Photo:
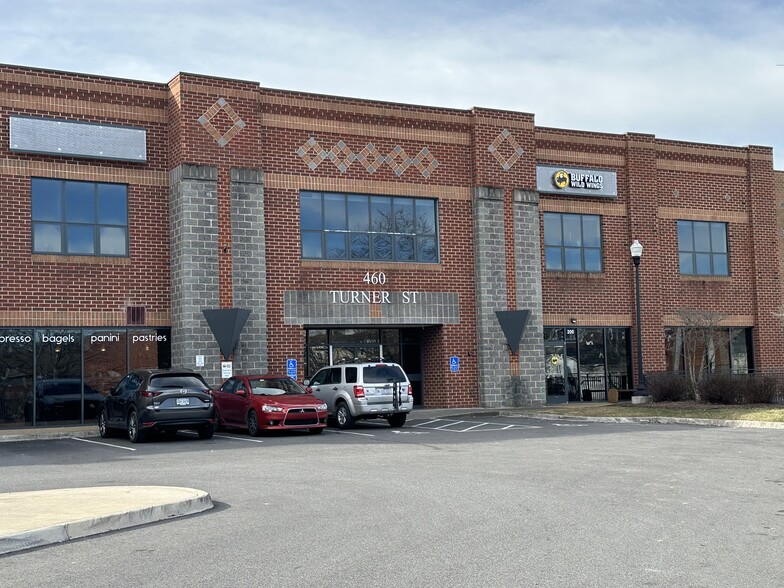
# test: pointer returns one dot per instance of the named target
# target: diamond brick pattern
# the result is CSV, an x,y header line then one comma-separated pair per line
x,y
369,157
205,120
506,137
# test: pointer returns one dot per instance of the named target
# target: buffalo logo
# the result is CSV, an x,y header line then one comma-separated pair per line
x,y
561,179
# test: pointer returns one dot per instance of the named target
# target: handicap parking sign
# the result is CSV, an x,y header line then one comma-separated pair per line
x,y
454,363
291,368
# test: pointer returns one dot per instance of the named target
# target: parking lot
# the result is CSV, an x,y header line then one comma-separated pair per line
x,y
493,501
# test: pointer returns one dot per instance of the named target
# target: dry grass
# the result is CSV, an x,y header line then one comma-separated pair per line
x,y
685,409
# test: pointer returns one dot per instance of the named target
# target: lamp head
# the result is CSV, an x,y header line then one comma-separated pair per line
x,y
636,250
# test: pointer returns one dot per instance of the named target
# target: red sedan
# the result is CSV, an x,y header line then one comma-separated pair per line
x,y
266,403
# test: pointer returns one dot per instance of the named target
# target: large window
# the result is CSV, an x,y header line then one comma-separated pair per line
x,y
362,227
702,248
79,218
572,242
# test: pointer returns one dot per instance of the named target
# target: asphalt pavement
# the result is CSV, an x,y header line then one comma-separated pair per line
x,y
34,519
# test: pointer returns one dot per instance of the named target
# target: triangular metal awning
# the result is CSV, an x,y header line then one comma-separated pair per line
x,y
226,325
513,324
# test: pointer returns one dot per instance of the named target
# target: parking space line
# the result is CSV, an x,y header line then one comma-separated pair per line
x,y
474,427
427,423
449,424
349,433
101,443
249,440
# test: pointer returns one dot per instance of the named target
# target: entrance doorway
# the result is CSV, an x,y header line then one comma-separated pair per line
x,y
349,345
582,363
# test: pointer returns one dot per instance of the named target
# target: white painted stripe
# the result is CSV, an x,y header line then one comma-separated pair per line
x,y
508,427
239,438
474,427
349,433
101,443
427,423
450,424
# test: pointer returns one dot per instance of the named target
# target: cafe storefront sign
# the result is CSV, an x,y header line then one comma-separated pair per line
x,y
575,181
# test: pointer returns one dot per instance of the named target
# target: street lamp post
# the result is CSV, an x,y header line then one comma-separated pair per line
x,y
636,251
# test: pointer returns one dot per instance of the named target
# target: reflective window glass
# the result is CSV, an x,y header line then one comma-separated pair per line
x,y
573,242
84,218
702,248
357,226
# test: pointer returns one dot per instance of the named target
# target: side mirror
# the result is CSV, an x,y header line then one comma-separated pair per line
x,y
308,389
242,392
306,382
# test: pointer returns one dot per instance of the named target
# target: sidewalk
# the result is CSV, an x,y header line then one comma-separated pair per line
x,y
34,519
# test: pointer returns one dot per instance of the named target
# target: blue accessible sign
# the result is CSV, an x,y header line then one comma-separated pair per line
x,y
291,368
454,363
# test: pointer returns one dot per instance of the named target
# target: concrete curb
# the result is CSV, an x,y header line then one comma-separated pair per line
x,y
149,504
33,434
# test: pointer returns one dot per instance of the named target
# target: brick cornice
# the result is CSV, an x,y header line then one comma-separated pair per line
x,y
575,206
724,216
363,129
87,172
583,157
303,182
700,168
65,106
51,79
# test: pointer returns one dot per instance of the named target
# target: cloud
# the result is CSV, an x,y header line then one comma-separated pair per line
x,y
686,70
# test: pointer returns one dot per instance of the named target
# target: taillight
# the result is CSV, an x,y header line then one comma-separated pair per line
x,y
150,393
409,390
359,392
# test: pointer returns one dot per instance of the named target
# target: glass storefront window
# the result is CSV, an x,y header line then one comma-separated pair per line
x,y
58,383
581,364
60,376
104,365
16,376
150,348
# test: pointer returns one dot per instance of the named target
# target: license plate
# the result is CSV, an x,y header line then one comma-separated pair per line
x,y
183,401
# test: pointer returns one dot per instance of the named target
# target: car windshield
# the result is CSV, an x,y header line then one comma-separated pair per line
x,y
275,387
381,374
181,381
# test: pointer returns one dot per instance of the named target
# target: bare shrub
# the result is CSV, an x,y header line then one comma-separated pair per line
x,y
667,387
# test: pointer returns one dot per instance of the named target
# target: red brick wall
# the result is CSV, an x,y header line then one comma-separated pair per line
x,y
660,182
48,290
291,119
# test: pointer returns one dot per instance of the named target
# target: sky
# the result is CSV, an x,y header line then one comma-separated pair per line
x,y
687,70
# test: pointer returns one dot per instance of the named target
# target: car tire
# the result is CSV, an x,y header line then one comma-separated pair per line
x,y
253,424
343,416
135,432
218,425
206,431
397,420
103,426
316,430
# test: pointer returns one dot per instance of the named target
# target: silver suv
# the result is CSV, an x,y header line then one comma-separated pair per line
x,y
364,391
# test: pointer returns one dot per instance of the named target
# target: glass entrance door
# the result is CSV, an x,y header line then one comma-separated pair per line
x,y
554,366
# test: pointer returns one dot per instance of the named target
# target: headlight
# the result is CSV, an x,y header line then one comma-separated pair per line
x,y
268,408
322,406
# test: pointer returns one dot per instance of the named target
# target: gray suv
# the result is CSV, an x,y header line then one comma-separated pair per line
x,y
364,391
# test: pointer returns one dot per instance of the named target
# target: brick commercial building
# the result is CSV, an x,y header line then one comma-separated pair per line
x,y
348,228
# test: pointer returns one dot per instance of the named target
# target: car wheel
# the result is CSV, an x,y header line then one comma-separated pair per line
x,y
343,416
206,431
218,425
253,424
316,430
103,425
397,420
135,432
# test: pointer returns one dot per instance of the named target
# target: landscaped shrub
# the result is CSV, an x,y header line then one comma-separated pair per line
x,y
719,389
667,387
757,389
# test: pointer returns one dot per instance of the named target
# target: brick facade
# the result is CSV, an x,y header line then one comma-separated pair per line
x,y
214,216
